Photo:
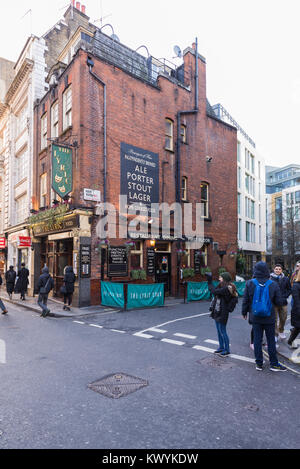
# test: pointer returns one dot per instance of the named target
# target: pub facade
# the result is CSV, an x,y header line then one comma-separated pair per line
x,y
125,134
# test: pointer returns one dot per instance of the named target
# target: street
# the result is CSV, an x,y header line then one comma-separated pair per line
x,y
191,399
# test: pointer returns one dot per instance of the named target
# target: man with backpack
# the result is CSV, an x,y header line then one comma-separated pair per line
x,y
260,297
45,285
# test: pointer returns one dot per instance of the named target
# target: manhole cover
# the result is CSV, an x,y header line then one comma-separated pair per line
x,y
117,385
216,362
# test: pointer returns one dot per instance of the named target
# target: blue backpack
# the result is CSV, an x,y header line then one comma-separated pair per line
x,y
261,304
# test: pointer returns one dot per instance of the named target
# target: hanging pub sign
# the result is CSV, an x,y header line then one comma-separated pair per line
x,y
117,261
62,170
139,177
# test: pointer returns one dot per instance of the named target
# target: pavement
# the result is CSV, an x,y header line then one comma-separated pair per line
x,y
56,310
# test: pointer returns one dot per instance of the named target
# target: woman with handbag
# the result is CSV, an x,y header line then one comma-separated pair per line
x,y
68,287
224,302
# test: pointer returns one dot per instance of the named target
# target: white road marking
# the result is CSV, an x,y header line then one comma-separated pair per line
x,y
185,336
236,357
116,330
145,336
170,341
174,320
160,331
204,349
79,322
95,325
2,352
214,342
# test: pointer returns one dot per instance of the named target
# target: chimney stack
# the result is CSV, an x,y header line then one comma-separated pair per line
x,y
78,5
83,9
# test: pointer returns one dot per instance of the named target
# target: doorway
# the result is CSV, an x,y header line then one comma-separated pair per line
x,y
163,270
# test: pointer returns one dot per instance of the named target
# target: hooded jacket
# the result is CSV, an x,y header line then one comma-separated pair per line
x,y
262,274
44,278
69,279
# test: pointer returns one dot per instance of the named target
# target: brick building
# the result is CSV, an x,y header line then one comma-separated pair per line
x,y
106,102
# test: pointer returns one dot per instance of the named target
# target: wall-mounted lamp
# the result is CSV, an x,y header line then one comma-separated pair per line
x,y
152,242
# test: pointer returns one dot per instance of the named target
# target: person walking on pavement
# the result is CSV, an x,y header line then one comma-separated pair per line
x,y
295,314
23,281
69,280
4,310
10,277
281,311
224,294
45,285
260,296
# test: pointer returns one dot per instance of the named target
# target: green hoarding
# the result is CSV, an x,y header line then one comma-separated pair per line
x,y
197,291
112,294
145,296
62,170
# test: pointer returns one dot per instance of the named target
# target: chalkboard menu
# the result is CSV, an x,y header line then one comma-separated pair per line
x,y
150,262
197,261
85,261
117,262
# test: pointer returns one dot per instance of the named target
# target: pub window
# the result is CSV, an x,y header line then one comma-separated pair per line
x,y
184,188
136,256
186,259
169,133
205,199
183,133
43,190
43,131
67,108
54,120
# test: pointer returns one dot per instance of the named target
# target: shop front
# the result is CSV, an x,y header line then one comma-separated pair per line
x,y
2,255
19,250
60,244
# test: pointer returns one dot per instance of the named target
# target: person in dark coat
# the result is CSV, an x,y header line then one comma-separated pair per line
x,y
223,294
260,324
22,282
45,283
4,310
285,289
69,280
295,314
10,277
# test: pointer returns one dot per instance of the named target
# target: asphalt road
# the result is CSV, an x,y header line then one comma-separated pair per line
x,y
192,399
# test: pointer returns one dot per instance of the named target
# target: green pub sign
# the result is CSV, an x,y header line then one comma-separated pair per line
x,y
62,170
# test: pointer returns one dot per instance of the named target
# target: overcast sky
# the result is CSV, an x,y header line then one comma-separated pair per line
x,y
251,49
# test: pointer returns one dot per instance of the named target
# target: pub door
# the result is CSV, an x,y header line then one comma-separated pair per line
x,y
63,257
163,270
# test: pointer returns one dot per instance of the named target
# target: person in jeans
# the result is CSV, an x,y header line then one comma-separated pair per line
x,y
4,310
69,280
223,294
295,314
260,324
281,311
45,283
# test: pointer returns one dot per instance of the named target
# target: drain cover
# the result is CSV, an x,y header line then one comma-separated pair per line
x,y
216,362
117,385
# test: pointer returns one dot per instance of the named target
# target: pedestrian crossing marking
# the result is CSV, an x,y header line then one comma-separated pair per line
x,y
2,352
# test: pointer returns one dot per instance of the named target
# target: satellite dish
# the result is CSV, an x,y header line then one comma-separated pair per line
x,y
115,38
177,51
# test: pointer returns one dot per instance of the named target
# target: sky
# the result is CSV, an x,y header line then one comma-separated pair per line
x,y
251,49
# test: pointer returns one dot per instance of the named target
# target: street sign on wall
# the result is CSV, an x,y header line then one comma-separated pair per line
x,y
62,170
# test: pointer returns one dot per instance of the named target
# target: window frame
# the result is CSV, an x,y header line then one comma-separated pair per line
x,y
54,120
138,252
44,125
169,137
205,202
43,190
184,188
67,108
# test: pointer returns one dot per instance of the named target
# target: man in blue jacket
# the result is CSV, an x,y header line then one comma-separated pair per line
x,y
263,323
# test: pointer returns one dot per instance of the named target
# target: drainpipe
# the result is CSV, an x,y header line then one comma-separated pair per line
x,y
90,64
178,150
